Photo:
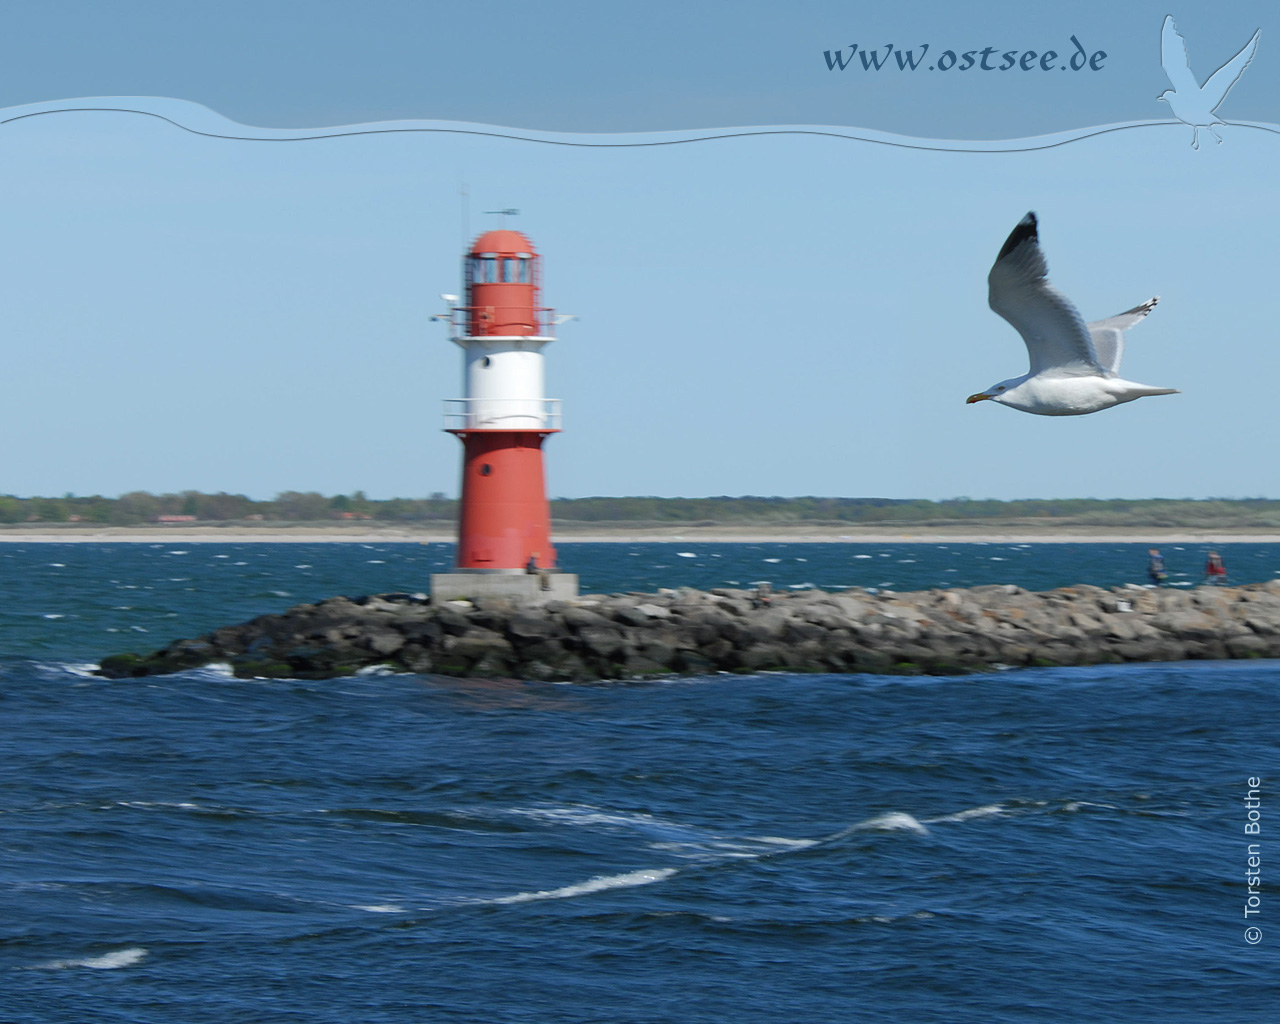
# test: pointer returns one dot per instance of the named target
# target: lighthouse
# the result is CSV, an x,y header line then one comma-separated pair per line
x,y
502,420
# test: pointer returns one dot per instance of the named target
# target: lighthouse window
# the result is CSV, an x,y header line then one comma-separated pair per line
x,y
485,363
511,271
486,469
484,269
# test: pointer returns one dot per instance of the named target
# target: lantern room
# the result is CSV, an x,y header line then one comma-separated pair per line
x,y
502,277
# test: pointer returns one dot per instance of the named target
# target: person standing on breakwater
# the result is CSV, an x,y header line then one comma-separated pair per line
x,y
1155,568
1215,572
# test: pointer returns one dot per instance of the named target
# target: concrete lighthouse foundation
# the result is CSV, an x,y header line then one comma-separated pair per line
x,y
520,587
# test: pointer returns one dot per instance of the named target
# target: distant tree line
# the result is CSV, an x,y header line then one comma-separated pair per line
x,y
140,507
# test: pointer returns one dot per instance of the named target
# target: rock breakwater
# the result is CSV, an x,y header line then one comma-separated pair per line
x,y
622,636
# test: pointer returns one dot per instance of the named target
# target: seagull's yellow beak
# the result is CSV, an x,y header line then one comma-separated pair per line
x,y
979,397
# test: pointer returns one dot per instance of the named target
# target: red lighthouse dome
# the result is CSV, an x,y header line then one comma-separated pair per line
x,y
502,278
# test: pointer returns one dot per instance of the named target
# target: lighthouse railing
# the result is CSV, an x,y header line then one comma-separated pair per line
x,y
464,319
502,414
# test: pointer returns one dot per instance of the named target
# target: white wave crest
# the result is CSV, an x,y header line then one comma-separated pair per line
x,y
86,670
894,821
217,669
600,883
585,814
687,841
106,962
1072,806
790,844
973,812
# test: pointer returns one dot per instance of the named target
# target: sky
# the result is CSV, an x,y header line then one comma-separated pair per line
x,y
777,315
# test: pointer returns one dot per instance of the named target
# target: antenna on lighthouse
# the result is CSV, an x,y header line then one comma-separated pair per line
x,y
464,201
505,213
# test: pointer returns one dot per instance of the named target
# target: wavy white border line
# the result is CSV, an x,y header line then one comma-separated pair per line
x,y
201,120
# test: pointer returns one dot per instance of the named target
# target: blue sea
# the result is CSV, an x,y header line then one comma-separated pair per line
x,y
1037,845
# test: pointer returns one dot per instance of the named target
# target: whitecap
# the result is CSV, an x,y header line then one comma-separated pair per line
x,y
585,814
302,567
773,559
1078,805
378,908
105,962
178,552
86,669
601,883
791,844
375,561
973,812
862,556
57,565
686,554
52,615
894,821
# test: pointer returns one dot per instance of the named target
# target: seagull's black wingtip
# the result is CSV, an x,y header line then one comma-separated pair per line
x,y
1026,229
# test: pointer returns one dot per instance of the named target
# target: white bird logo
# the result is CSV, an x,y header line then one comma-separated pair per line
x,y
1191,102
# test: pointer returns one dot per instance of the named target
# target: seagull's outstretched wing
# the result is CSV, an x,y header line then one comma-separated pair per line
x,y
1057,339
1173,58
1220,82
1108,335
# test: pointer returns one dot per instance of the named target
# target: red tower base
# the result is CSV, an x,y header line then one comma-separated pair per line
x,y
505,519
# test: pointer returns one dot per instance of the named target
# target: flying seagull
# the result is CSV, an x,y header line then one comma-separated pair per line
x,y
1075,367
1191,102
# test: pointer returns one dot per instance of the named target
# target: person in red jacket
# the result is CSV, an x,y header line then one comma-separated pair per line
x,y
1214,571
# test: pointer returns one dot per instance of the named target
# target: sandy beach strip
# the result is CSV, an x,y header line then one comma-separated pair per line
x,y
597,534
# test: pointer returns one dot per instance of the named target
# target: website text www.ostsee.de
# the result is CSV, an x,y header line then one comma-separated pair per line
x,y
989,58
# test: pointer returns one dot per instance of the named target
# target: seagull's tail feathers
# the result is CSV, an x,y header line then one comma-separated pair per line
x,y
1146,390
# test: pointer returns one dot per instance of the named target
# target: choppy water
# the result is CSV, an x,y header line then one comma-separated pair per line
x,y
1047,845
